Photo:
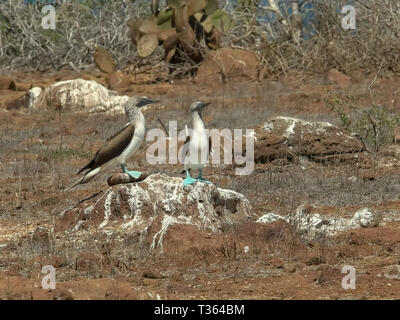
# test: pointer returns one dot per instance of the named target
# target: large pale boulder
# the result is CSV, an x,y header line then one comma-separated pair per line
x,y
76,95
150,209
290,138
313,225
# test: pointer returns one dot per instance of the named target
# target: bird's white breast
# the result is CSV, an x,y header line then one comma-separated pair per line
x,y
197,156
134,145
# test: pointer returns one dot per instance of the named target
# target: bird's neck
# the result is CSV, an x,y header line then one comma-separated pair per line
x,y
136,118
197,121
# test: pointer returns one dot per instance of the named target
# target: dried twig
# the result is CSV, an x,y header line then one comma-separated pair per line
x,y
164,127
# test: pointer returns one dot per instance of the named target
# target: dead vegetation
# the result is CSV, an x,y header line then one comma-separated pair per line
x,y
25,45
312,40
323,44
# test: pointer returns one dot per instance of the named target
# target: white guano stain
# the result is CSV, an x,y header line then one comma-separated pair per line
x,y
107,209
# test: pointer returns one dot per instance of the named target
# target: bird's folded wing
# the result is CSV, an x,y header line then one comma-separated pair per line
x,y
184,151
112,148
119,132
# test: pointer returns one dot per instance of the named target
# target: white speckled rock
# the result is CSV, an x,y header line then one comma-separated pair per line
x,y
270,217
366,217
290,138
31,97
311,225
76,95
155,204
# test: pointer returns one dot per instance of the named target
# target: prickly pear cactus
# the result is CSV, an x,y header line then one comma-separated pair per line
x,y
183,27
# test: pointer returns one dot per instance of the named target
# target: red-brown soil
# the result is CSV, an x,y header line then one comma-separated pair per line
x,y
40,153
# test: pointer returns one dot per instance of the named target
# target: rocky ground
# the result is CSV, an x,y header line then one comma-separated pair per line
x,y
316,201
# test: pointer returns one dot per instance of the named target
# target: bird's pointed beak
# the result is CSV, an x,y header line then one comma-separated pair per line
x,y
204,104
146,101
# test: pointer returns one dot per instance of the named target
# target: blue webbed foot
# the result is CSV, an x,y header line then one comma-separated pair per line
x,y
188,180
133,174
203,180
200,177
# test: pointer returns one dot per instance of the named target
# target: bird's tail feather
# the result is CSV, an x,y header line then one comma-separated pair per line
x,y
79,181
85,179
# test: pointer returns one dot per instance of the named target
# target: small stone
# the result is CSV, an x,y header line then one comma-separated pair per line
x,y
366,217
276,263
290,268
152,275
32,97
352,179
392,272
336,77
121,178
270,217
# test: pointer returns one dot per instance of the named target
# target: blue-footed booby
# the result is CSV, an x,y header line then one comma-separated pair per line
x,y
197,147
122,145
